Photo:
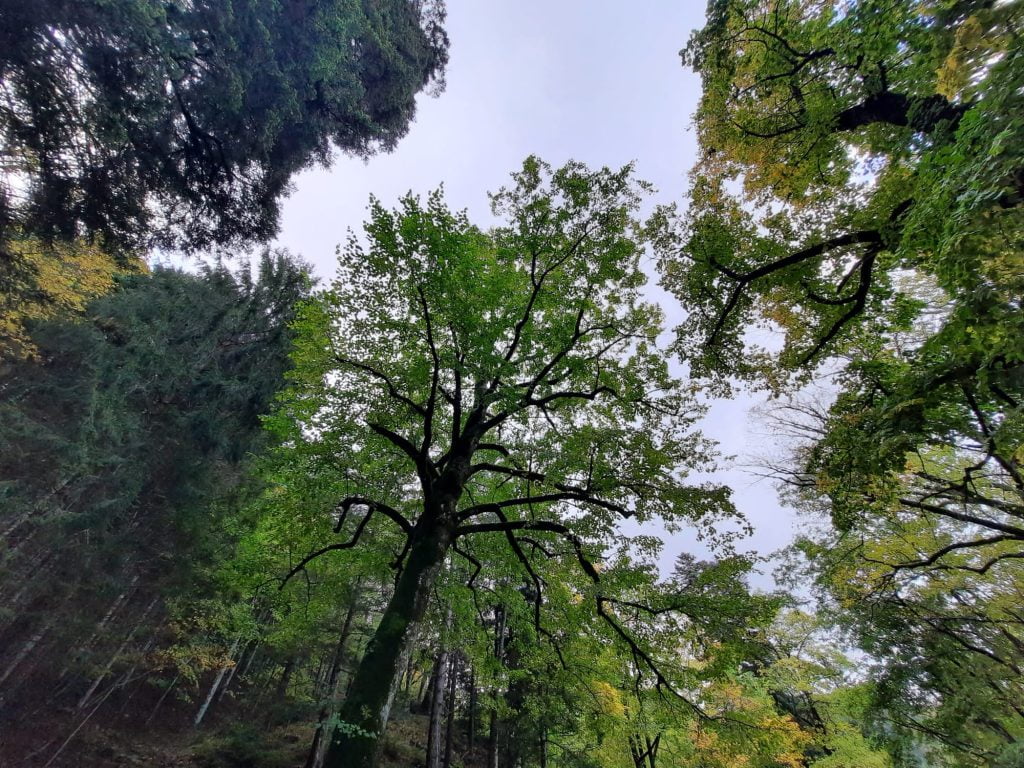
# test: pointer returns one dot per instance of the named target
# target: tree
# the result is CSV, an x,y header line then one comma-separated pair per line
x,y
920,560
186,120
50,282
864,140
475,391
859,188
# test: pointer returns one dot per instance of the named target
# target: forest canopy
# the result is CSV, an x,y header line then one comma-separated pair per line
x,y
421,514
182,123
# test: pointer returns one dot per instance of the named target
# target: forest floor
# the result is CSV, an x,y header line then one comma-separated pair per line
x,y
229,741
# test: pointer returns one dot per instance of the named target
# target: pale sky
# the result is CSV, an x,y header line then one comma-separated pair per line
x,y
593,80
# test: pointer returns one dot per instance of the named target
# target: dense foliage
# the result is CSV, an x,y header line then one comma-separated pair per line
x,y
860,190
117,439
467,386
186,120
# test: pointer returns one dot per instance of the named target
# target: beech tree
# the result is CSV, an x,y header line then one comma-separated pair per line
x,y
464,386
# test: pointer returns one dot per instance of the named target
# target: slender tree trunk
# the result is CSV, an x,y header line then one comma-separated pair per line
x,y
635,752
471,725
102,625
492,741
450,704
246,664
280,692
435,745
126,678
216,684
26,649
159,703
234,672
426,695
409,669
499,653
84,701
652,749
322,736
366,707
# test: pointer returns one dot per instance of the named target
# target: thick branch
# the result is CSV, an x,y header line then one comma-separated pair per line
x,y
743,279
404,445
922,114
1017,533
508,526
389,512
565,495
428,413
330,548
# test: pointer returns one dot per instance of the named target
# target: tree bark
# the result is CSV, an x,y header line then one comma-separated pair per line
x,y
450,706
435,745
216,684
365,711
84,701
471,725
280,692
26,649
499,654
492,741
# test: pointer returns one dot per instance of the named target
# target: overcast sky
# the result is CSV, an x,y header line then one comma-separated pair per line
x,y
593,80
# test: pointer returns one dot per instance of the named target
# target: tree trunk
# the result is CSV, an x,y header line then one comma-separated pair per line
x,y
278,702
216,684
323,731
471,725
450,699
409,669
26,649
163,696
234,671
365,712
426,692
499,654
83,702
492,741
435,745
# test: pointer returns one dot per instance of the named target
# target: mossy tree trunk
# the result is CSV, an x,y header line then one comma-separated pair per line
x,y
364,714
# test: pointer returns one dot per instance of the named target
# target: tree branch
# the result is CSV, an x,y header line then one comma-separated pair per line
x,y
329,548
381,376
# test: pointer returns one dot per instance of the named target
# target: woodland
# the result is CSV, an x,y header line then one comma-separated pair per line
x,y
249,518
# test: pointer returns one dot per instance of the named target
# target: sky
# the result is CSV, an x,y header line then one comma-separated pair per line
x,y
598,81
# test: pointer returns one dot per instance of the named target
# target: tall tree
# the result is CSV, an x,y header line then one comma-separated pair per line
x,y
186,120
494,389
51,282
860,188
864,139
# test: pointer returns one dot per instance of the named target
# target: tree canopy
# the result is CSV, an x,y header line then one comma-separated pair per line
x,y
445,547
182,122
859,192
842,144
462,386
